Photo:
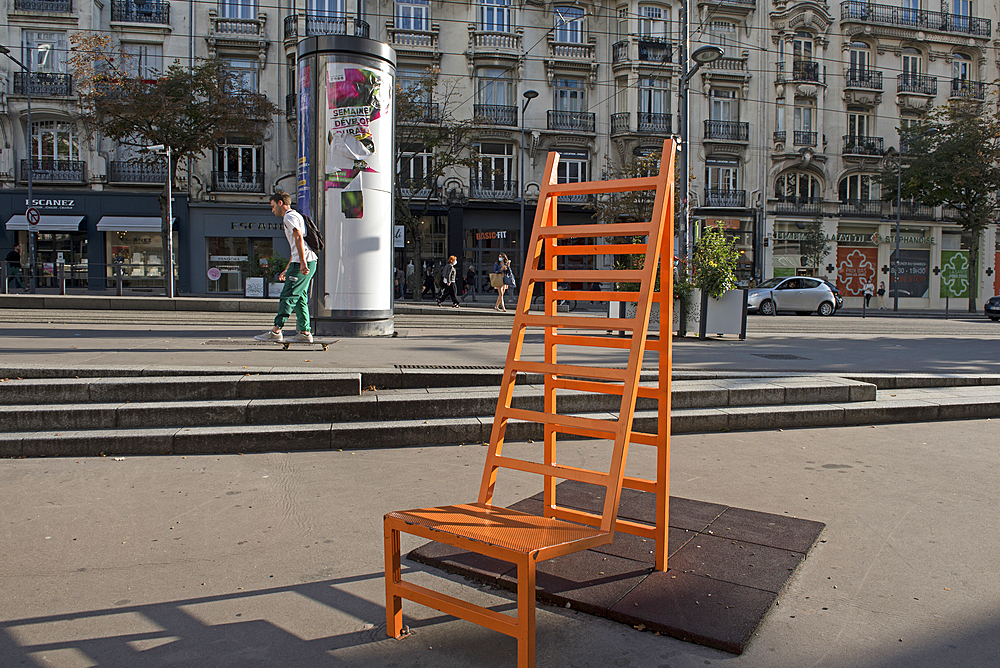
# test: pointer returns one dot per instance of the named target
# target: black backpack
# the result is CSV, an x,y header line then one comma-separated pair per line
x,y
313,237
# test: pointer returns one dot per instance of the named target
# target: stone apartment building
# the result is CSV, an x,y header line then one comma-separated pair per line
x,y
790,126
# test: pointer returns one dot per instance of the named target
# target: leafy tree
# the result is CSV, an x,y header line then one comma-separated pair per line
x,y
190,109
431,144
816,245
715,257
958,166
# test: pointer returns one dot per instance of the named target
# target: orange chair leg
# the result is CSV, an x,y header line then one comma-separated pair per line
x,y
526,613
393,575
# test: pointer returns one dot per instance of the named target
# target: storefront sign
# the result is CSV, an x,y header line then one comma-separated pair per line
x,y
398,236
214,274
726,223
855,238
59,204
913,270
244,225
491,234
227,258
954,273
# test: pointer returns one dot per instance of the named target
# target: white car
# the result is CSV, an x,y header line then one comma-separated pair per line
x,y
801,294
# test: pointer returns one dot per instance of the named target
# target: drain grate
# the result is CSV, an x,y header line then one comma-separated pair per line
x,y
445,366
779,357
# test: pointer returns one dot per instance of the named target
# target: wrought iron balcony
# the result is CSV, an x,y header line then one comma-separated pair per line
x,y
48,169
803,138
577,121
780,137
916,83
912,210
861,208
619,51
968,90
655,51
727,130
134,171
43,84
238,182
495,189
802,70
860,145
57,6
291,106
291,26
655,123
917,19
868,79
417,188
620,123
422,112
495,114
130,11
335,25
798,205
725,198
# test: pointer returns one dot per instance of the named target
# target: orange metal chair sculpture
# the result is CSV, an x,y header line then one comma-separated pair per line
x,y
525,539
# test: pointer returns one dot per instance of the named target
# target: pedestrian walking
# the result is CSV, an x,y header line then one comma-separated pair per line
x,y
868,291
448,282
881,295
498,279
297,275
13,261
470,282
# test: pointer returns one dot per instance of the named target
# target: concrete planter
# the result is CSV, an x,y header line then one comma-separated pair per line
x,y
274,289
254,287
725,315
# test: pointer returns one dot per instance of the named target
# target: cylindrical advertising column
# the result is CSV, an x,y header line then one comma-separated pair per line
x,y
345,178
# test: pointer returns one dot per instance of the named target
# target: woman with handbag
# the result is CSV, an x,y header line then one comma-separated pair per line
x,y
498,279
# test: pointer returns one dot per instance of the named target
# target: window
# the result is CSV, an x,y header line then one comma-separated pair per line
x,y
328,9
859,123
569,24
411,80
910,12
721,174
495,15
414,169
653,21
243,73
143,61
912,65
963,10
654,96
495,87
239,164
569,95
860,57
798,187
723,106
623,32
961,67
572,167
859,187
413,14
44,51
496,167
803,118
802,47
621,95
52,140
724,35
238,9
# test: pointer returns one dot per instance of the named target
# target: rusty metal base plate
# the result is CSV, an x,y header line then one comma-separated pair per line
x,y
727,567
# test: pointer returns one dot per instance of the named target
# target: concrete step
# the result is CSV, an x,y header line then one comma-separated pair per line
x,y
281,399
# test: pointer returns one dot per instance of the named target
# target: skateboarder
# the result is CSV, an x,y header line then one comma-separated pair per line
x,y
297,275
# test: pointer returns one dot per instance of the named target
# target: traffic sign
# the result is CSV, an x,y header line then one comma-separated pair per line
x,y
32,215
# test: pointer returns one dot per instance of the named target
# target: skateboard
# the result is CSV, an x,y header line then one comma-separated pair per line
x,y
315,342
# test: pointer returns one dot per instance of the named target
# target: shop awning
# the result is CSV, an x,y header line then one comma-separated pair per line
x,y
46,223
131,224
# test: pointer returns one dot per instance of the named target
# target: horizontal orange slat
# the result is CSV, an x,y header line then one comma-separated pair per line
x,y
570,370
572,515
611,342
458,608
589,426
640,484
601,187
599,249
587,386
577,322
643,438
580,275
596,230
555,470
648,392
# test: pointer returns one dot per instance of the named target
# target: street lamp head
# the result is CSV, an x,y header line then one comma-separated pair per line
x,y
156,148
530,94
4,50
706,54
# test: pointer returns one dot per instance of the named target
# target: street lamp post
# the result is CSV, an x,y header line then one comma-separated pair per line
x,y
528,95
32,235
159,149
700,56
894,272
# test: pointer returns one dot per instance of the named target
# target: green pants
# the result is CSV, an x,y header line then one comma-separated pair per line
x,y
295,297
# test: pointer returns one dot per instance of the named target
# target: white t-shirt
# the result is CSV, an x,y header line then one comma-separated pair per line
x,y
293,219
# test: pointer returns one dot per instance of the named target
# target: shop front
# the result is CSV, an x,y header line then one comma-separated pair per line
x,y
741,232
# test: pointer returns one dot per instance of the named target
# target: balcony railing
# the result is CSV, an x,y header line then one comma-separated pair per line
x,y
421,112
619,51
571,50
727,130
780,137
59,6
129,171
242,28
803,138
859,145
656,52
968,90
494,189
129,11
413,39
486,40
725,198
798,205
620,123
577,121
728,63
802,70
662,124
859,10
417,188
48,169
291,26
916,83
495,114
238,182
43,84
869,79
336,25
861,208
910,210
291,106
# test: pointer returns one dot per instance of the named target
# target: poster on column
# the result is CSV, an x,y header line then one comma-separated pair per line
x,y
954,273
357,193
854,267
914,269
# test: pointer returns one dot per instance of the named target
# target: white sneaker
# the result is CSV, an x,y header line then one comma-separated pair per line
x,y
302,337
269,335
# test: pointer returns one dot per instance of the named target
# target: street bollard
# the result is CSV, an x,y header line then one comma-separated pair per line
x,y
864,306
3,275
118,279
62,279
774,305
